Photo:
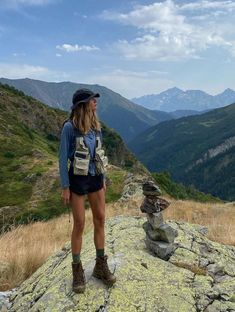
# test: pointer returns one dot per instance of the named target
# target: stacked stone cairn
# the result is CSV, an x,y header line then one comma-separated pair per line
x,y
159,235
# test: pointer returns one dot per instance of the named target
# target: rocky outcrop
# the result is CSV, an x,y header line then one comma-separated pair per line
x,y
213,152
199,275
133,186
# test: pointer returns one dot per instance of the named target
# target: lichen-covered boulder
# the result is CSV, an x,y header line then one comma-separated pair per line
x,y
199,276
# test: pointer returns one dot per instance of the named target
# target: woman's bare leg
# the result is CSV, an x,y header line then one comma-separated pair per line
x,y
97,202
78,210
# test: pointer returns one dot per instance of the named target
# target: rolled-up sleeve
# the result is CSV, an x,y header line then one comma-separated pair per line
x,y
65,143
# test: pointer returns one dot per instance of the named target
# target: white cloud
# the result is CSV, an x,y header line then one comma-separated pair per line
x,y
168,33
159,16
76,48
202,5
58,55
207,10
14,71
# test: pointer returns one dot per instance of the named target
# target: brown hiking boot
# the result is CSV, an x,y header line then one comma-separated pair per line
x,y
78,277
101,271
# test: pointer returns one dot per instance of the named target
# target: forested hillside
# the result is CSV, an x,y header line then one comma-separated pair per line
x,y
196,150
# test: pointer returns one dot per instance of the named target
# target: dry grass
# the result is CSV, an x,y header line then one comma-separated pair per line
x,y
26,248
192,267
219,218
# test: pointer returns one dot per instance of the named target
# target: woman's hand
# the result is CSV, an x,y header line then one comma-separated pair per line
x,y
65,195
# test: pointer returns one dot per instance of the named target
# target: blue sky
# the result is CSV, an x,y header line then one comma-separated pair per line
x,y
132,47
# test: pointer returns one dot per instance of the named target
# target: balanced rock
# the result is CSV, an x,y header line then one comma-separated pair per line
x,y
153,203
155,219
161,249
152,234
150,188
159,236
164,232
167,233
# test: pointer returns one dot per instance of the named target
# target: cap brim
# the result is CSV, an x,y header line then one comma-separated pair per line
x,y
85,101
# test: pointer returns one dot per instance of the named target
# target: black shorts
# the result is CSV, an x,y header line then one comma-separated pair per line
x,y
82,185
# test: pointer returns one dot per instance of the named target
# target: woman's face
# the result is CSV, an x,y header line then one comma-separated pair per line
x,y
93,104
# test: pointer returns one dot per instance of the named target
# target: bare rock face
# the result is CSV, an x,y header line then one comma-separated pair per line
x,y
198,276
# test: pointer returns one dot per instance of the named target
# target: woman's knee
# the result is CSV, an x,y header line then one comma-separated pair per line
x,y
99,220
78,210
78,225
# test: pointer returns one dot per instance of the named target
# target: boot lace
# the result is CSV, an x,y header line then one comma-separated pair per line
x,y
106,267
81,276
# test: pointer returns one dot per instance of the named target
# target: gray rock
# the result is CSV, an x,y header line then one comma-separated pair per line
x,y
4,300
153,204
150,188
132,187
161,249
203,262
155,219
32,177
215,269
166,233
152,234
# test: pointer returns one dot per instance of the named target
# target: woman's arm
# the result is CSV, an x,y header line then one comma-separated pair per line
x,y
65,143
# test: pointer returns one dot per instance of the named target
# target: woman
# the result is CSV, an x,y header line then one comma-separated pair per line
x,y
80,139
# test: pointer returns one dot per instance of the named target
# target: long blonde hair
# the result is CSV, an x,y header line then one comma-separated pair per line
x,y
84,118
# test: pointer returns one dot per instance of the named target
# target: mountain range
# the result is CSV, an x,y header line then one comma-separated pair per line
x,y
180,146
176,99
117,112
196,150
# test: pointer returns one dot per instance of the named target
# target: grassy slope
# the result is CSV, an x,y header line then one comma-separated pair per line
x,y
28,147
29,141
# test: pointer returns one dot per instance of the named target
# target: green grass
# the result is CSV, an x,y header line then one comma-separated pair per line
x,y
53,205
15,193
46,209
179,191
114,190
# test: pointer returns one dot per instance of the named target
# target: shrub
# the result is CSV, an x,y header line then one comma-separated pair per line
x,y
9,155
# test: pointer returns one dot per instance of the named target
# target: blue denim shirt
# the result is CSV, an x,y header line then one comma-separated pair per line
x,y
67,150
